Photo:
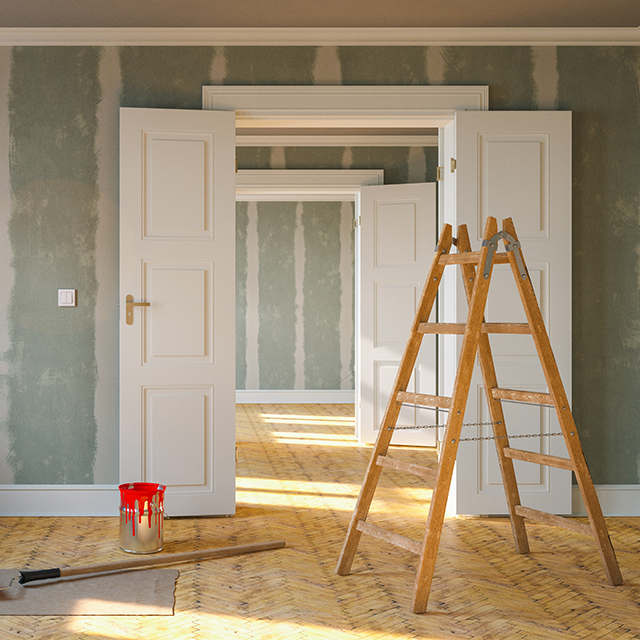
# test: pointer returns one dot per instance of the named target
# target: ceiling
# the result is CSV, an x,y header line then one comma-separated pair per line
x,y
320,13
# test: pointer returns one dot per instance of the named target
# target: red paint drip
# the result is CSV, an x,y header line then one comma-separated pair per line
x,y
143,495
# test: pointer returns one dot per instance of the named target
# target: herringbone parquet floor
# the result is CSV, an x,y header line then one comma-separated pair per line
x,y
299,472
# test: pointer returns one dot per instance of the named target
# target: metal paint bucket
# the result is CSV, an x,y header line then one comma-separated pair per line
x,y
141,517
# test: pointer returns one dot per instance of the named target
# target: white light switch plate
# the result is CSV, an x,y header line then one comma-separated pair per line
x,y
66,297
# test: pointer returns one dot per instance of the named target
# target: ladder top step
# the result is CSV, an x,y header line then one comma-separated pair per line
x,y
423,399
471,257
460,327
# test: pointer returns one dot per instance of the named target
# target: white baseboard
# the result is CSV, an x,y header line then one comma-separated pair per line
x,y
615,500
33,500
298,396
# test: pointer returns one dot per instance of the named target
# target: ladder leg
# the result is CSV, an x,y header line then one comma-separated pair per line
x,y
365,498
401,383
477,303
495,410
437,510
565,417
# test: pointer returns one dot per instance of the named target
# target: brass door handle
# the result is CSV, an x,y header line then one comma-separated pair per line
x,y
129,308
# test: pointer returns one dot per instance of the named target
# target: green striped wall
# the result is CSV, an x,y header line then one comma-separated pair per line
x,y
52,106
294,302
58,221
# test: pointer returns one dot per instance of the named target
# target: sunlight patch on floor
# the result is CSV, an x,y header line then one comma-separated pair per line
x,y
336,496
267,629
295,486
313,436
319,439
333,421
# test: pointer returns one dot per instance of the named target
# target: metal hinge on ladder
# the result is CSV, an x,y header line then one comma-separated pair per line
x,y
512,245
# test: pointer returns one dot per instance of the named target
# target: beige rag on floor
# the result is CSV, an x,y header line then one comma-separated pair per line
x,y
148,592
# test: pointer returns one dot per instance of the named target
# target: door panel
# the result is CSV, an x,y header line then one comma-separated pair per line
x,y
177,169
397,240
180,329
177,359
518,165
170,458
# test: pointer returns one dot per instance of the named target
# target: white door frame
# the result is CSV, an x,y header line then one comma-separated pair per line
x,y
353,107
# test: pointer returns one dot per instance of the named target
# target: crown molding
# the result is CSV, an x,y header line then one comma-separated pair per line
x,y
329,36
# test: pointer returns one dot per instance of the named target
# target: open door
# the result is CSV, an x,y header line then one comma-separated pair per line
x,y
397,239
177,355
518,165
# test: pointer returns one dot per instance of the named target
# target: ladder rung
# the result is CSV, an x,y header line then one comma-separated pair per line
x,y
471,257
388,536
538,458
558,521
522,396
442,402
460,327
408,467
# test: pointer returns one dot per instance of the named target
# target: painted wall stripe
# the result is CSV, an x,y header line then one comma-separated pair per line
x,y
218,66
242,224
106,468
252,380
299,259
276,280
322,295
327,68
435,65
347,276
6,475
545,75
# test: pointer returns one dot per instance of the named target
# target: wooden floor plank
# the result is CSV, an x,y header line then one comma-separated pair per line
x,y
299,473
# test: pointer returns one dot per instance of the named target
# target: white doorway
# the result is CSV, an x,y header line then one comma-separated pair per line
x,y
336,194
310,103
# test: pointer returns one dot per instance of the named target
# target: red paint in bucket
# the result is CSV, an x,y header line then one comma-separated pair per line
x,y
144,499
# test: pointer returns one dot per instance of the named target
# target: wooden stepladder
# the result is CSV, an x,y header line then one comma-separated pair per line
x,y
476,270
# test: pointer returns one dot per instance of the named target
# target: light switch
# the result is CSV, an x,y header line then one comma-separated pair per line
x,y
66,297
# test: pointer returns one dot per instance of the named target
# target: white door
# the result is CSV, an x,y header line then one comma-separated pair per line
x,y
397,242
177,355
518,165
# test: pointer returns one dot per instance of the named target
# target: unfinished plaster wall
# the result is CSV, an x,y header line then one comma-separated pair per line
x,y
58,217
294,295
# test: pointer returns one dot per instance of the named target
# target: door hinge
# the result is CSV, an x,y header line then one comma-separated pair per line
x,y
439,173
357,222
453,165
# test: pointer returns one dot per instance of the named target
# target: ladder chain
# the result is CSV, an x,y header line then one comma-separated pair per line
x,y
524,435
479,438
438,426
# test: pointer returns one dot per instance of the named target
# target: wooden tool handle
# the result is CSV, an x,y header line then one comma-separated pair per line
x,y
172,558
